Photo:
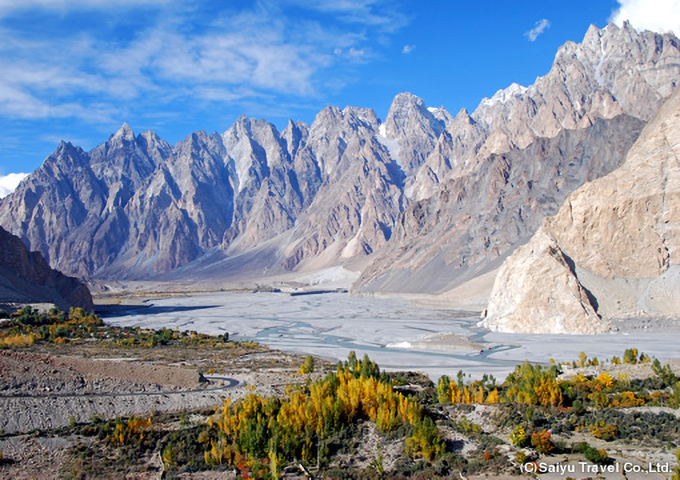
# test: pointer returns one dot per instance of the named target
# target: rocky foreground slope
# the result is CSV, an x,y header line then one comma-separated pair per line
x,y
612,249
432,199
25,277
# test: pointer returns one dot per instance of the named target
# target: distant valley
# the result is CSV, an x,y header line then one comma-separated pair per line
x,y
422,203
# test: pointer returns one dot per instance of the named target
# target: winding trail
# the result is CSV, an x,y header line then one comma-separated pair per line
x,y
232,383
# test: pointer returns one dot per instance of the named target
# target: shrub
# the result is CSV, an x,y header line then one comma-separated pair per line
x,y
601,430
425,441
466,426
593,455
519,437
542,443
630,356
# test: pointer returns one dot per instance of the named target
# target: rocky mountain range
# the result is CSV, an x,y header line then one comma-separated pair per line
x,y
611,250
525,149
25,278
421,202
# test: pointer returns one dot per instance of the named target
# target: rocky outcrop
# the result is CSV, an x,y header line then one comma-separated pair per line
x,y
557,304
25,277
619,237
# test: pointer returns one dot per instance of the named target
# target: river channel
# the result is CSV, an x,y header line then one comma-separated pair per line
x,y
332,324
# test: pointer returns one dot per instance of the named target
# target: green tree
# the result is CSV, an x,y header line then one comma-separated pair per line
x,y
443,392
308,365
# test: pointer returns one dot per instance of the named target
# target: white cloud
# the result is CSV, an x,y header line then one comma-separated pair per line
x,y
9,182
655,15
408,49
539,28
261,51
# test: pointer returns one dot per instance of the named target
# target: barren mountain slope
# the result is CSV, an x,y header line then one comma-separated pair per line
x,y
500,176
616,240
25,277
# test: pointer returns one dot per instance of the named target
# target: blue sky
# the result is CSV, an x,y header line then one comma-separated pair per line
x,y
77,69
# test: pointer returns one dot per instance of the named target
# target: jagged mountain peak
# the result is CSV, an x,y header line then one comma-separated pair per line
x,y
411,130
124,132
327,119
247,127
295,135
409,111
65,147
463,116
196,141
295,126
407,99
335,121
65,155
361,117
515,90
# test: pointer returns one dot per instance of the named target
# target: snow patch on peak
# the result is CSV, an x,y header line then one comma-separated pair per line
x,y
391,144
502,96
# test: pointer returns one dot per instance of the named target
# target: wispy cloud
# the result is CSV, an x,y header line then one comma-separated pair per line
x,y
539,28
9,6
408,49
181,55
377,13
656,15
8,183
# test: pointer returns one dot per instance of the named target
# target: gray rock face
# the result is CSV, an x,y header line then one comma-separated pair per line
x,y
495,174
136,207
415,128
25,277
620,237
360,197
436,199
473,222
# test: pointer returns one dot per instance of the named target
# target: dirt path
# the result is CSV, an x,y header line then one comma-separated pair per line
x,y
42,391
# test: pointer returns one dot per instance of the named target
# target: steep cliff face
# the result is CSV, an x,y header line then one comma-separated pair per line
x,y
25,277
620,238
524,150
434,200
360,197
473,222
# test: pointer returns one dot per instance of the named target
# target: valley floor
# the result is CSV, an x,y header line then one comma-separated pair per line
x,y
398,334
